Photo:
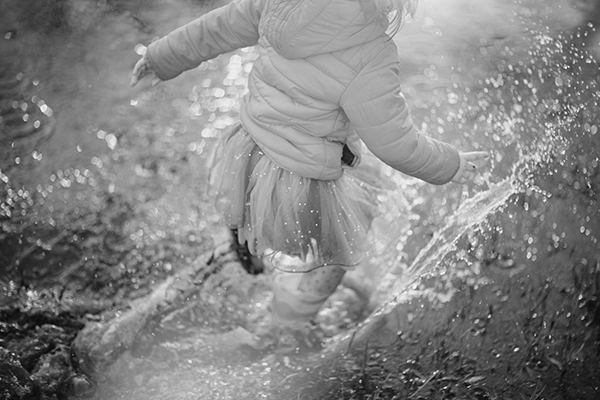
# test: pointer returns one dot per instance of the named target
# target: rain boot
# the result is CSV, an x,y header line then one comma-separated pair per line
x,y
251,263
292,306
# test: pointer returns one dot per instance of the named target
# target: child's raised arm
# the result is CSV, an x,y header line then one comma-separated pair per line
x,y
376,107
222,30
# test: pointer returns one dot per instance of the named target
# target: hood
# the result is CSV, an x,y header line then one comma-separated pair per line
x,y
303,28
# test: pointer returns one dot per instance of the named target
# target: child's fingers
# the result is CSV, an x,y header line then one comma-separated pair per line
x,y
138,66
135,74
141,70
467,171
155,79
475,155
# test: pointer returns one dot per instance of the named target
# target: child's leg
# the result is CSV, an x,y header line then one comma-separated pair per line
x,y
322,281
252,264
297,297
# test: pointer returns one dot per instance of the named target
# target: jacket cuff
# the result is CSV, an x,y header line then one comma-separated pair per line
x,y
153,53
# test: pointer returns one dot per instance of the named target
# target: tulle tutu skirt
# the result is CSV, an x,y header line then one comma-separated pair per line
x,y
284,215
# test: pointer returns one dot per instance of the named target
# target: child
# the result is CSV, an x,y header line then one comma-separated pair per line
x,y
326,79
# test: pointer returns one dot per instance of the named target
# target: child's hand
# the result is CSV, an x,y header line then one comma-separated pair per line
x,y
143,68
467,171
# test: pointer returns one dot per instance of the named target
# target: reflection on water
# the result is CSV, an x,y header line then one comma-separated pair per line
x,y
103,185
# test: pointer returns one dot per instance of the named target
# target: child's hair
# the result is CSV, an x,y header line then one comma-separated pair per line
x,y
396,11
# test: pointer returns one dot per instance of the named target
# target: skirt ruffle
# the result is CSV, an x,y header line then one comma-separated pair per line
x,y
283,215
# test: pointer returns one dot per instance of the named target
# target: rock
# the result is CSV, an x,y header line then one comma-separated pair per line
x,y
80,387
53,369
15,381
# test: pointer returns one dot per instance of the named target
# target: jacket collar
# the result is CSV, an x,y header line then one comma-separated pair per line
x,y
303,28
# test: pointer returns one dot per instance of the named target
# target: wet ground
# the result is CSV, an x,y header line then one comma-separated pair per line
x,y
489,292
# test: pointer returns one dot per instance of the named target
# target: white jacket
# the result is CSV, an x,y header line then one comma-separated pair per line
x,y
326,72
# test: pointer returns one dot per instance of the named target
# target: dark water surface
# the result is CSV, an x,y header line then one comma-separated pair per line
x,y
487,291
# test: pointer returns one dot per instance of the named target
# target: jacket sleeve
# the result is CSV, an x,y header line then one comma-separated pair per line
x,y
377,109
219,31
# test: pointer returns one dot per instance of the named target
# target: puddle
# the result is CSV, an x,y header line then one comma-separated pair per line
x,y
477,289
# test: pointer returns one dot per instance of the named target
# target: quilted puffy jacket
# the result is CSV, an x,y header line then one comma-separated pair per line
x,y
327,73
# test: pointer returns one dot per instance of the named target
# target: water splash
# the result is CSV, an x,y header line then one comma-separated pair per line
x,y
472,213
530,133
